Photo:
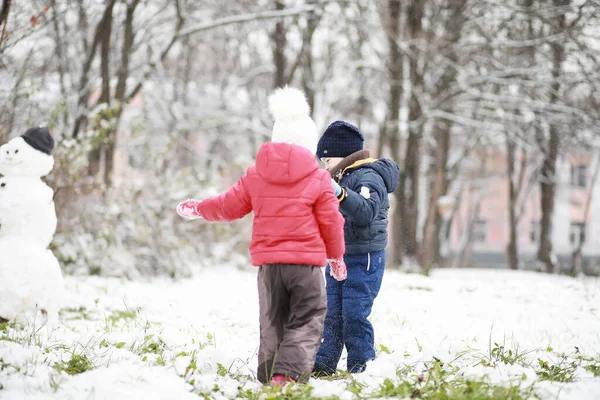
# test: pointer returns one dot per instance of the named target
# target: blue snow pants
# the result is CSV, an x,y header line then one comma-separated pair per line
x,y
349,303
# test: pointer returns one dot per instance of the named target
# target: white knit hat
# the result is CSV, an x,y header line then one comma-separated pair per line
x,y
293,123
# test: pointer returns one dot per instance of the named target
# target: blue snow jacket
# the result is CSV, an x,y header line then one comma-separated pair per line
x,y
365,203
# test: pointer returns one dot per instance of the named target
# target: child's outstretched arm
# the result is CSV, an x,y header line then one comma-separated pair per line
x,y
362,203
231,205
331,222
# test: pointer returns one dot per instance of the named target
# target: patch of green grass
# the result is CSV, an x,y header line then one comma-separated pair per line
x,y
384,349
419,345
55,347
151,345
499,354
5,327
78,364
120,315
8,339
444,381
17,333
355,387
192,366
154,347
221,370
4,324
438,381
562,372
590,364
80,313
422,288
593,368
292,391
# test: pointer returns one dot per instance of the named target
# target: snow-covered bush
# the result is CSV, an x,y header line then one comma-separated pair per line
x,y
134,230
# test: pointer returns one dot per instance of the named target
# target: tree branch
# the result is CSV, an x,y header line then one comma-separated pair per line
x,y
243,18
312,27
4,17
152,65
123,72
83,82
105,54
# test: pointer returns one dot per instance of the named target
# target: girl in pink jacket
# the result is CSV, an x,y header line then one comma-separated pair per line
x,y
297,229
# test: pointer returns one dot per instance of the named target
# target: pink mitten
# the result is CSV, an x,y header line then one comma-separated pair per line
x,y
338,268
187,209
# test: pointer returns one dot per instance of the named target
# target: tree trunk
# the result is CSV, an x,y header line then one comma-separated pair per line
x,y
412,170
392,128
578,253
62,65
512,248
85,72
466,237
547,197
122,74
280,41
412,159
432,230
433,223
4,11
100,159
548,173
128,38
8,127
105,54
4,18
308,78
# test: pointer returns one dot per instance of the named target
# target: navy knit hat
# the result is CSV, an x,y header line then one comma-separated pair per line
x,y
340,139
40,139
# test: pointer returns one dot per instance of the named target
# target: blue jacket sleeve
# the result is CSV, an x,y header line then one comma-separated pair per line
x,y
364,198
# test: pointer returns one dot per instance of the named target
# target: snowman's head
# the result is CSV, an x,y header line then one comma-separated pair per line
x,y
28,155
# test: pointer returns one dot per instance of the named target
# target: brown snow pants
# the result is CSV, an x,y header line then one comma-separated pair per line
x,y
293,304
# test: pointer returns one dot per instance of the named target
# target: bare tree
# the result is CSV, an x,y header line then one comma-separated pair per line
x,y
408,194
284,70
512,248
84,89
391,129
550,147
444,93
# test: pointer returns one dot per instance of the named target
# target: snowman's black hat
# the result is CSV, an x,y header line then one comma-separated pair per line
x,y
40,139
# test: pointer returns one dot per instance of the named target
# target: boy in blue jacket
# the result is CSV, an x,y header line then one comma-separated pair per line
x,y
362,185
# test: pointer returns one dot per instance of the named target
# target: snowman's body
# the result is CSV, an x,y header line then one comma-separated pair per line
x,y
27,210
31,282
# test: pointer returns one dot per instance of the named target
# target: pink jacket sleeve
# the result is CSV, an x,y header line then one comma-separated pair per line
x,y
231,205
330,220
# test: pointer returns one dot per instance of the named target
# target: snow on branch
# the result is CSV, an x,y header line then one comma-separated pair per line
x,y
533,104
466,121
243,18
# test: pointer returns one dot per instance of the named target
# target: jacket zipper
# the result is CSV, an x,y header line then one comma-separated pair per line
x,y
368,261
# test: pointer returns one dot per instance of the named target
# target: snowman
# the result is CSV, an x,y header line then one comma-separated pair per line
x,y
31,282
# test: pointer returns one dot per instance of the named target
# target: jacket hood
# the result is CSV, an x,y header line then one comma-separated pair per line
x,y
386,168
284,163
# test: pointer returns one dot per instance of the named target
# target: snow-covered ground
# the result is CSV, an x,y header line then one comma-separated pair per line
x,y
179,340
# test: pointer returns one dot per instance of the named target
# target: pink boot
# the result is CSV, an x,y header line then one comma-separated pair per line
x,y
280,380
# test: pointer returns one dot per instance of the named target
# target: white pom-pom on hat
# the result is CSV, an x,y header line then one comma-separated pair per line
x,y
288,103
293,123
